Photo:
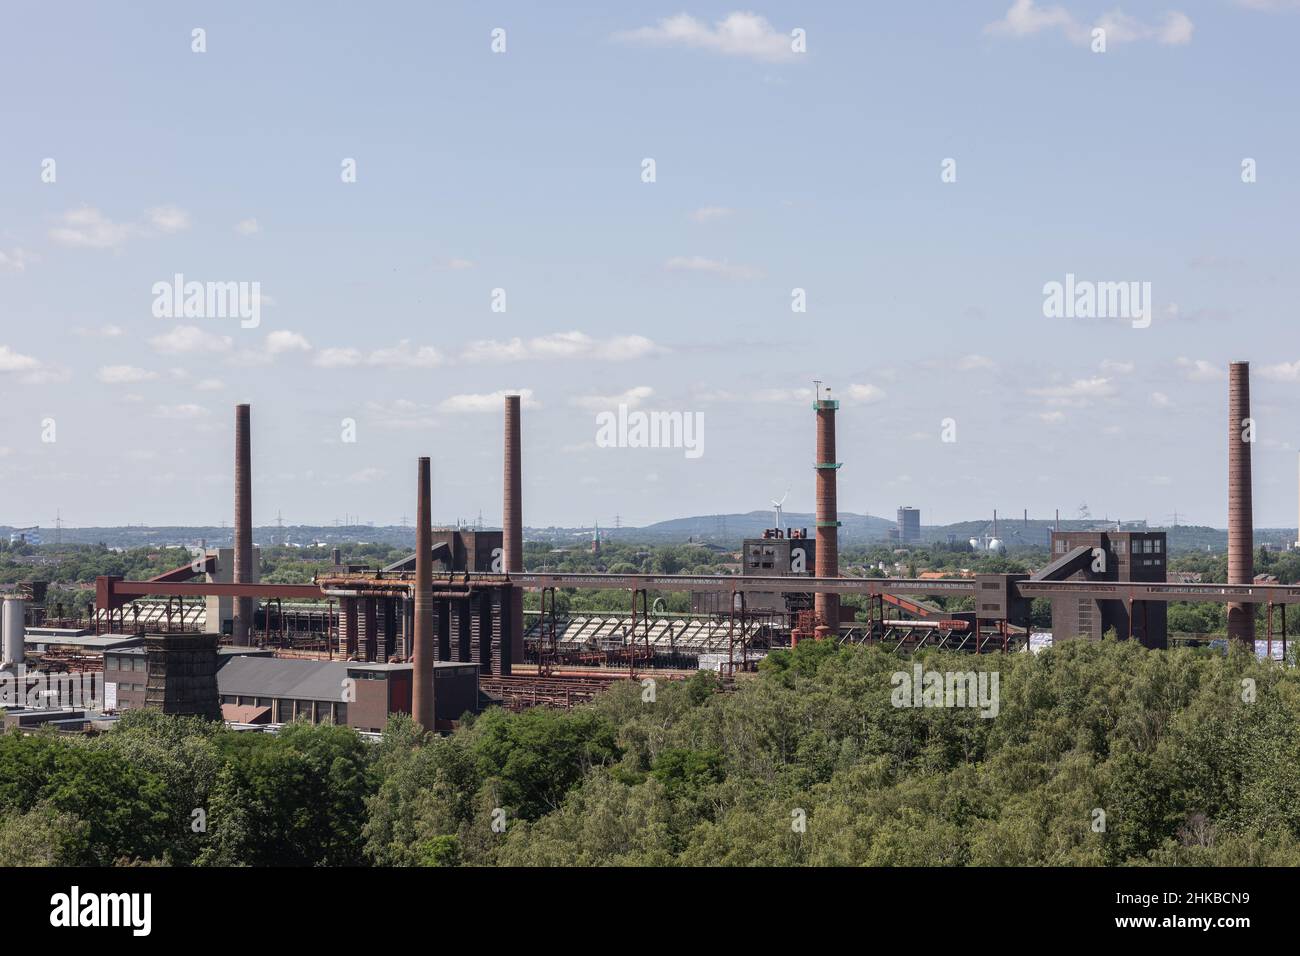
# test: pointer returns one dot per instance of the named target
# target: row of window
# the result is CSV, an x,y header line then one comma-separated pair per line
x,y
1139,546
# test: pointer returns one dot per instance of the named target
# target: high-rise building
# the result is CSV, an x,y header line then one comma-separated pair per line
x,y
909,525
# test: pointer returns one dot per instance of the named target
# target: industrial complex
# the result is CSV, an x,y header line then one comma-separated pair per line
x,y
443,631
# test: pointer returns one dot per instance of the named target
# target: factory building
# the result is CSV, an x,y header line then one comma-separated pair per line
x,y
779,553
254,687
1108,556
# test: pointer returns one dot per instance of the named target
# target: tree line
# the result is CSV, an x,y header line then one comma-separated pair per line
x,y
1100,754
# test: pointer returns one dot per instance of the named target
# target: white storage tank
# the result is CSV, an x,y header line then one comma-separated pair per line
x,y
13,621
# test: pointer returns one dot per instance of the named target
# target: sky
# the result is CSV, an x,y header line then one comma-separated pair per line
x,y
598,205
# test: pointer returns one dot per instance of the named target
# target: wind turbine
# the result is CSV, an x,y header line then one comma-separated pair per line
x,y
777,505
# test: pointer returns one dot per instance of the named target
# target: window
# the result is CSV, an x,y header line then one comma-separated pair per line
x,y
1158,546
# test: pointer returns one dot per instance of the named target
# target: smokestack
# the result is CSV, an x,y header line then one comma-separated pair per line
x,y
1241,532
243,570
422,656
827,606
512,524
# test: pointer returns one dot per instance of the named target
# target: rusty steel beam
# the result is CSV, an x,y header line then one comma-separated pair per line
x,y
113,592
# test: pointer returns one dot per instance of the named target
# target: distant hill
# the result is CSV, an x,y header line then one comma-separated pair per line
x,y
752,524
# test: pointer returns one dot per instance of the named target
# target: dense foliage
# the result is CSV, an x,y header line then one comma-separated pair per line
x,y
1192,757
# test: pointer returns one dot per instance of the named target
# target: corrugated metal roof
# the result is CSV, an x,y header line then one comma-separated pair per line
x,y
275,677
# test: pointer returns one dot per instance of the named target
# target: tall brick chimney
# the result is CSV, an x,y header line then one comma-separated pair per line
x,y
243,569
512,524
422,706
827,606
1241,531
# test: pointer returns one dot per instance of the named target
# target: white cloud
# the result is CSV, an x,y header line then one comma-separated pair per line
x,y
285,341
248,227
598,403
712,266
337,358
16,260
971,363
366,475
1116,367
190,338
1161,400
11,361
1282,372
1051,418
1199,370
738,34
711,213
30,371
1078,394
865,394
101,332
1026,18
209,385
491,402
168,218
404,356
125,375
185,412
560,345
88,228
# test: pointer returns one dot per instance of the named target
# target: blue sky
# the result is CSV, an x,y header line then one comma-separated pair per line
x,y
522,171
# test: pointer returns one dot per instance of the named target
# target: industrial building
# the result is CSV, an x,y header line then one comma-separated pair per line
x,y
1107,556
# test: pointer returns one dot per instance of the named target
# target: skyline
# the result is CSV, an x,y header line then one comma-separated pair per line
x,y
523,171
